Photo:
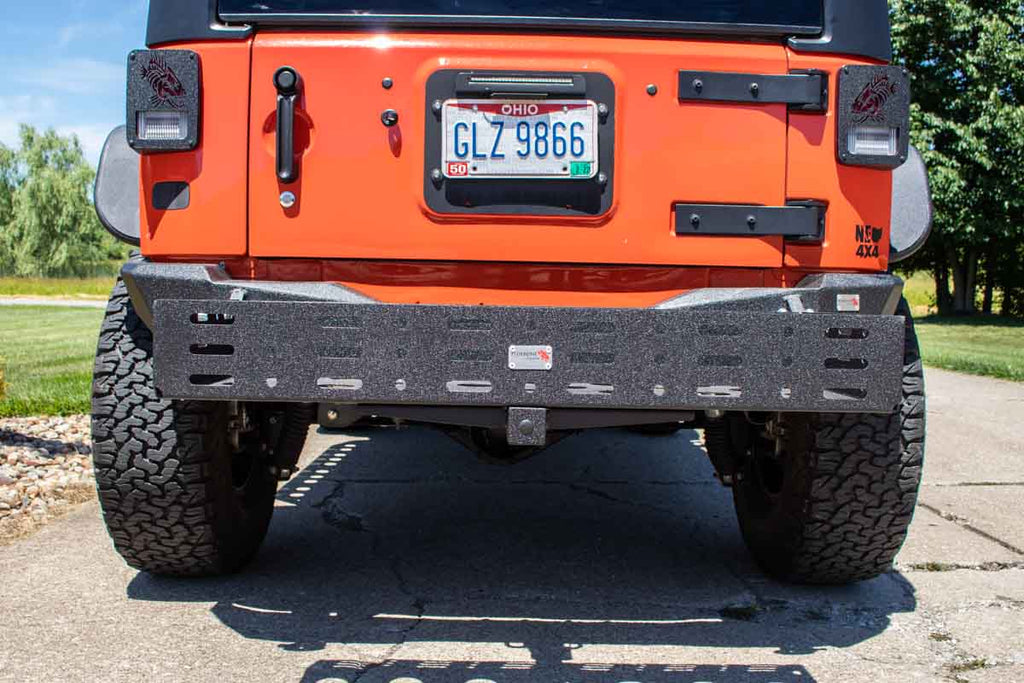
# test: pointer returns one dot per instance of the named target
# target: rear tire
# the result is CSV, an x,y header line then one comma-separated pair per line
x,y
828,498
185,487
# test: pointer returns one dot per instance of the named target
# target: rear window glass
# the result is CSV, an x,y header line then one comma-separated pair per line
x,y
795,13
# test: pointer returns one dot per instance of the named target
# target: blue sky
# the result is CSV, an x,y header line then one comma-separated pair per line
x,y
64,62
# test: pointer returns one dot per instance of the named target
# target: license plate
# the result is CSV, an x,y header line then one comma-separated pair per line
x,y
543,139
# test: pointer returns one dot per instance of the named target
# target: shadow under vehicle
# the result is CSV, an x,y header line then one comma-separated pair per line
x,y
594,564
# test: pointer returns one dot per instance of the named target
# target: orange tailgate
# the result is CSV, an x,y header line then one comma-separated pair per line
x,y
360,188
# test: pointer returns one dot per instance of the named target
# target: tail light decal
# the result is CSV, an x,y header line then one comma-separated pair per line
x,y
163,100
874,116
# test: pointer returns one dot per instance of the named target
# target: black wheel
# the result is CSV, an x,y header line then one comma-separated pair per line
x,y
186,487
828,498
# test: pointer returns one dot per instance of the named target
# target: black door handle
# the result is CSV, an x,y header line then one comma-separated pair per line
x,y
288,84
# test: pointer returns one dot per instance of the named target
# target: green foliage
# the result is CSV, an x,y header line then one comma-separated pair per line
x,y
48,226
967,62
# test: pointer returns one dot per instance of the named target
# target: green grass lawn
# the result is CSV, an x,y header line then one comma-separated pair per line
x,y
48,353
70,288
980,346
919,292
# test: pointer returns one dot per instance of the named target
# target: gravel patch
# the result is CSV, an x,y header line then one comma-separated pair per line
x,y
45,468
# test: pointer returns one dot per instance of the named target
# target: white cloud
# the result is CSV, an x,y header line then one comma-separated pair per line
x,y
78,76
18,109
90,30
39,111
92,137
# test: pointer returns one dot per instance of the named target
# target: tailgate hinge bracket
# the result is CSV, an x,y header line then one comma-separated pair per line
x,y
802,220
800,90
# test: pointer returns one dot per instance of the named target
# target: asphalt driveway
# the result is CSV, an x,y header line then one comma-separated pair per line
x,y
395,556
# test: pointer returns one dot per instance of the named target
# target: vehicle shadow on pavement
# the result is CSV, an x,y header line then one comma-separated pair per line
x,y
611,557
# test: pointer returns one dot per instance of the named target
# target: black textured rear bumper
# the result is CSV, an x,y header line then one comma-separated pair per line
x,y
713,349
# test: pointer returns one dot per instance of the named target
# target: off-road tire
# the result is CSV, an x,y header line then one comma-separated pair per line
x,y
166,473
841,508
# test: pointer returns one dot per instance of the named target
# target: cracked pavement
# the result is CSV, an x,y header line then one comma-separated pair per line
x,y
394,556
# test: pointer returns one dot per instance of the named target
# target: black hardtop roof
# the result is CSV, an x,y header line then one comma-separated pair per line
x,y
851,27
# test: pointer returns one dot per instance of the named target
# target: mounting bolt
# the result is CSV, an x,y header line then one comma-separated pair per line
x,y
526,427
387,83
695,221
437,176
755,89
652,89
751,222
389,117
287,199
332,415
602,109
436,106
698,86
602,178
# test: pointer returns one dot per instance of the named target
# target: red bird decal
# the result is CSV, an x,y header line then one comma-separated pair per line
x,y
167,89
870,104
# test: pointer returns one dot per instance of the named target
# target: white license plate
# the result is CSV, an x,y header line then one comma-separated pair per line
x,y
519,139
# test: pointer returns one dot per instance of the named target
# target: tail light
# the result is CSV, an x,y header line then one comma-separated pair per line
x,y
873,116
163,100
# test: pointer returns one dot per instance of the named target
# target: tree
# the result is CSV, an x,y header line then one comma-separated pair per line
x,y
8,180
48,226
967,62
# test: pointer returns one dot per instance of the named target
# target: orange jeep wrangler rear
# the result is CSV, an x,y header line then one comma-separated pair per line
x,y
514,220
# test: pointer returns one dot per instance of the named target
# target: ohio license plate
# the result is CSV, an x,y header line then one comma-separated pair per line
x,y
543,139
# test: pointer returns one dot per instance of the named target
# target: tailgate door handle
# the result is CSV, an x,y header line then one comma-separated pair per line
x,y
288,83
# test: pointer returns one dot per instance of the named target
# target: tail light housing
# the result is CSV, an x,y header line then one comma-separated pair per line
x,y
873,116
163,100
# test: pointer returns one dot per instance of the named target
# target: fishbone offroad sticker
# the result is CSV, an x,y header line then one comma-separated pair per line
x,y
870,104
167,87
